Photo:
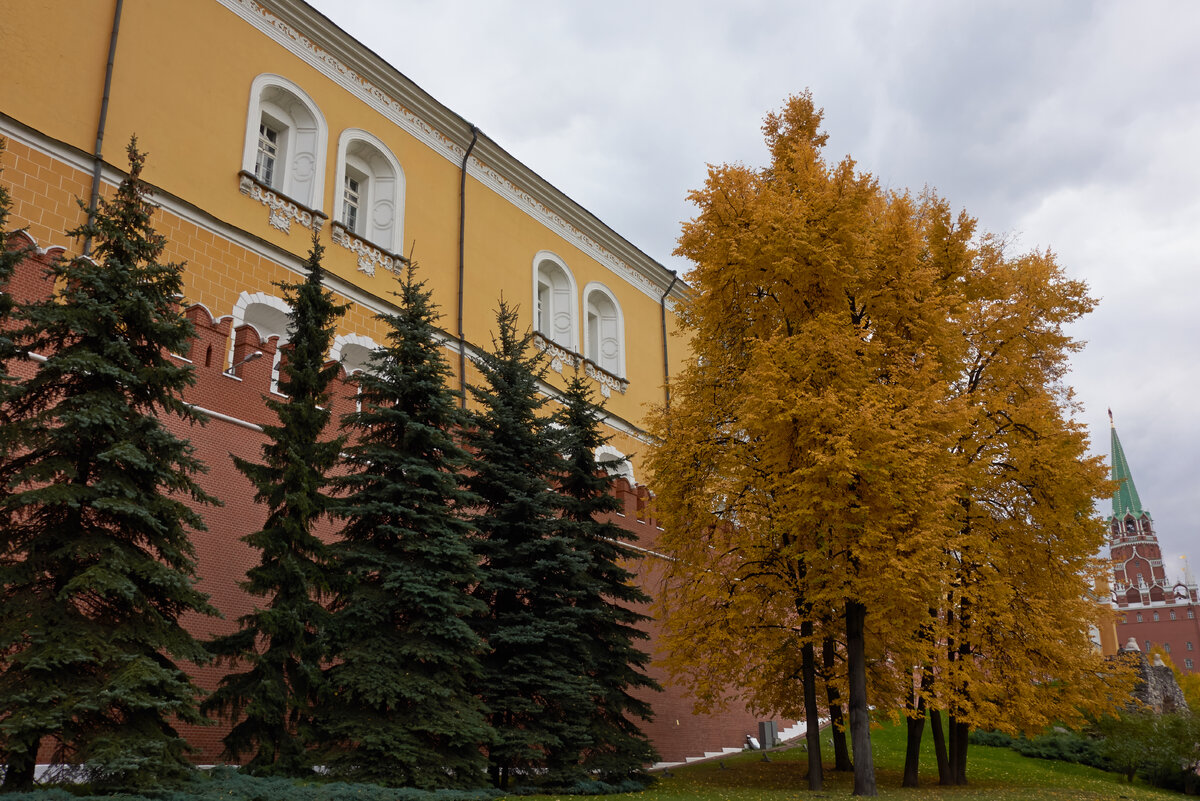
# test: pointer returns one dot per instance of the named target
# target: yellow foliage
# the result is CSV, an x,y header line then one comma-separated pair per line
x,y
876,415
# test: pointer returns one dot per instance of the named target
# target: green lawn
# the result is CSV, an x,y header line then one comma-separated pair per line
x,y
992,772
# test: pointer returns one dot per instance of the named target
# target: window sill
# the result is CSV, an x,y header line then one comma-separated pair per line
x,y
283,210
370,257
561,358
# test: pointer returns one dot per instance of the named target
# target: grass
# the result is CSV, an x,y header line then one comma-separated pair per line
x,y
992,772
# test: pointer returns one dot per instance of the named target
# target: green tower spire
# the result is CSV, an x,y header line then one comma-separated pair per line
x,y
1125,499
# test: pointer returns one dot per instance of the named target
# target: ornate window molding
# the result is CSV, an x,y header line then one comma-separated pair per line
x,y
603,329
560,358
284,151
607,381
370,257
555,310
283,212
379,217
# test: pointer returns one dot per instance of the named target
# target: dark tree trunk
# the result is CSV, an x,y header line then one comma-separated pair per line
x,y
939,747
860,723
960,735
961,729
812,715
912,745
841,756
912,752
951,745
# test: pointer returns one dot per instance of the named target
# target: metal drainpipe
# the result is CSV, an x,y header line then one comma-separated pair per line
x,y
662,305
462,233
98,158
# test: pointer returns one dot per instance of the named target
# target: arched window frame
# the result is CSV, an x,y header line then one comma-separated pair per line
x,y
591,351
302,149
562,300
244,302
390,235
349,342
615,463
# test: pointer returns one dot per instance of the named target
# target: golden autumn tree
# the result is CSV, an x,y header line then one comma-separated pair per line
x,y
1016,613
871,452
803,472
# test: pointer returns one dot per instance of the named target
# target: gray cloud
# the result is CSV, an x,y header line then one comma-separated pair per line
x,y
1071,125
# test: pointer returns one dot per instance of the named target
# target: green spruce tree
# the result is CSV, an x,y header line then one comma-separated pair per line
x,y
399,707
608,621
96,564
271,701
535,687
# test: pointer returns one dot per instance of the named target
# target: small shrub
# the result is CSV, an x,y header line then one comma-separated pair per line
x,y
996,739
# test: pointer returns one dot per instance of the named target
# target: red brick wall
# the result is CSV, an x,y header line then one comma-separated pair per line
x,y
1175,633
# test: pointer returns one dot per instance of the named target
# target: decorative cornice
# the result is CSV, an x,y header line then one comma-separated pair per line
x,y
369,256
489,175
283,212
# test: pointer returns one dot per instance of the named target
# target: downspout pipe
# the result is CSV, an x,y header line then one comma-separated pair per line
x,y
662,307
98,157
462,266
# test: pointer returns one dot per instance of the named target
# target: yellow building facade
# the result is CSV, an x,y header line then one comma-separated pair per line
x,y
264,123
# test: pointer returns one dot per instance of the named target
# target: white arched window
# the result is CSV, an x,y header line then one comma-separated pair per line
x,y
286,139
369,201
615,463
270,317
603,330
554,301
353,351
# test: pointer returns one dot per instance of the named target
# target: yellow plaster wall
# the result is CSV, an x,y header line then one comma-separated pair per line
x,y
54,57
182,84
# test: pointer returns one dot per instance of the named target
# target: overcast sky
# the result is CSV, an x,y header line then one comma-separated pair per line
x,y
1069,125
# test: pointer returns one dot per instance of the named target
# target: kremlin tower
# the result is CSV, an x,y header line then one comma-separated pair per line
x,y
1152,609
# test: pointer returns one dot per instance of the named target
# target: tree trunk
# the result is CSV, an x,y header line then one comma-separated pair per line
x,y
961,733
912,745
912,752
961,728
812,715
841,756
939,747
860,723
952,746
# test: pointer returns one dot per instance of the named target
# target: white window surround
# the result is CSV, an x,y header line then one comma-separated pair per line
x,y
555,309
381,201
353,351
603,329
615,463
303,138
269,316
